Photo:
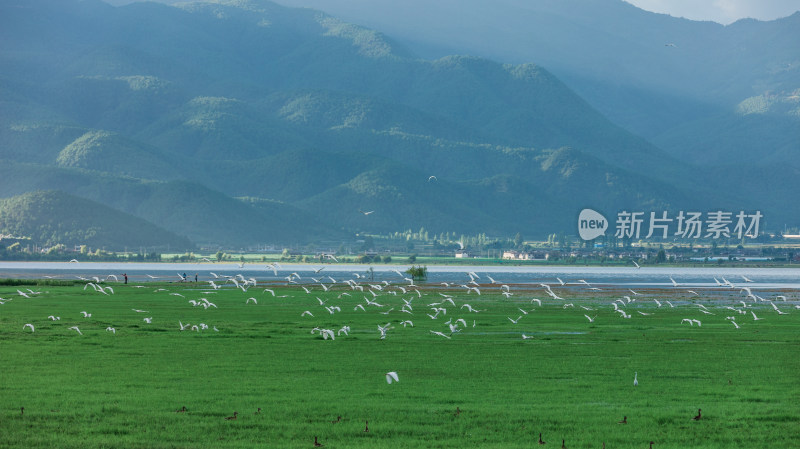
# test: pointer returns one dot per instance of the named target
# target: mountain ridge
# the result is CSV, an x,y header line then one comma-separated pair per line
x,y
282,124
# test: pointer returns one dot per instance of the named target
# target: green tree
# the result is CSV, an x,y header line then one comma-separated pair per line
x,y
419,273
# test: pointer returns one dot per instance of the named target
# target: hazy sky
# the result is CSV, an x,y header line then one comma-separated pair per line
x,y
722,11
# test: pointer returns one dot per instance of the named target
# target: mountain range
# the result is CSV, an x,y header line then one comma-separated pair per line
x,y
703,92
244,122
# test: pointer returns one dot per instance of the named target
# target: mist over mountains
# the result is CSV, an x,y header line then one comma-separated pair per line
x,y
699,90
243,122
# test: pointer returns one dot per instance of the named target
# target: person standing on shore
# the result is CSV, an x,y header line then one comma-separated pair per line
x,y
125,276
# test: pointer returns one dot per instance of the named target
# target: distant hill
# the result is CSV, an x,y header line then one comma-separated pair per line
x,y
678,82
189,209
244,122
53,217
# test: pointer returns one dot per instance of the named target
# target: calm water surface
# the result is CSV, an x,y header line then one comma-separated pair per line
x,y
769,278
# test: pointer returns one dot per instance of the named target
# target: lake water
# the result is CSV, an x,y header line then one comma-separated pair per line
x,y
764,278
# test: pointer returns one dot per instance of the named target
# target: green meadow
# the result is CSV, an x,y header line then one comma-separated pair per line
x,y
484,387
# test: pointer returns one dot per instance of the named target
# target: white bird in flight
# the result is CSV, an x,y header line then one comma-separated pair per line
x,y
28,325
75,328
391,376
440,334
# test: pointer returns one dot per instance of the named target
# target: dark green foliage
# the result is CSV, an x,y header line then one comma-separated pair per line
x,y
418,273
47,282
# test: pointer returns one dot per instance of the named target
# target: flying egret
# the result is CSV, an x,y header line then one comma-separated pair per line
x,y
780,312
28,325
384,329
674,283
440,334
86,314
635,379
75,328
391,376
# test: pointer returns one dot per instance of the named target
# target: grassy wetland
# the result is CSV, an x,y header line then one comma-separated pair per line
x,y
484,386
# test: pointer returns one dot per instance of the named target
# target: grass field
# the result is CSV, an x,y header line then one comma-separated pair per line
x,y
573,380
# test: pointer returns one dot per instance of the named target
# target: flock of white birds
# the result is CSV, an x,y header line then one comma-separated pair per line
x,y
401,302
